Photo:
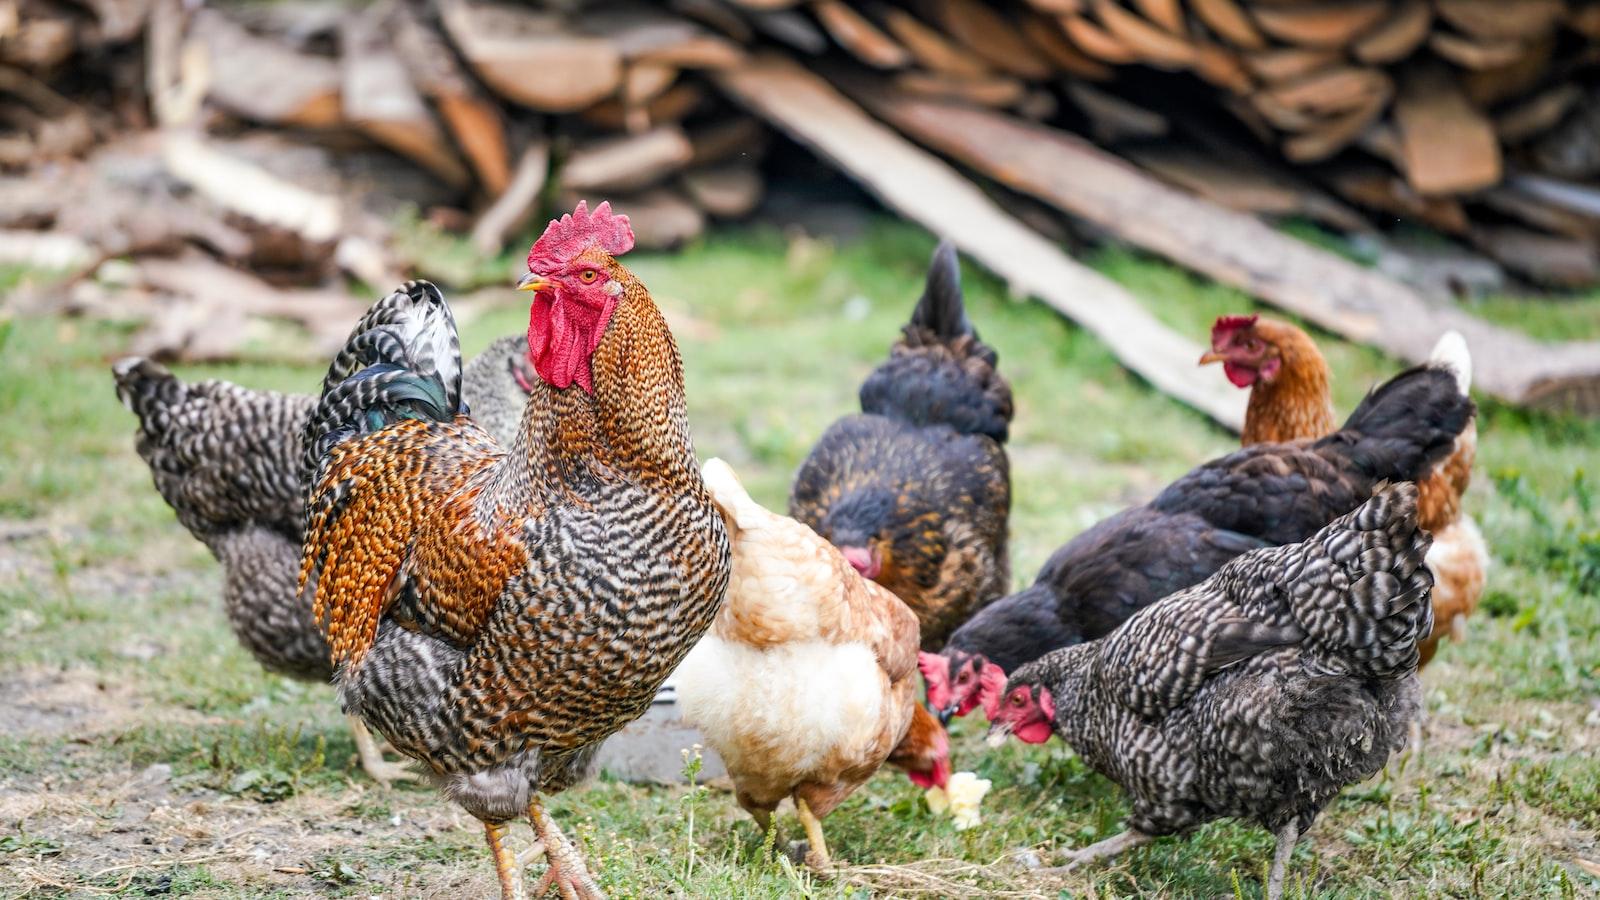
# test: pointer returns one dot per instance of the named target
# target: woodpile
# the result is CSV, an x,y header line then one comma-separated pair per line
x,y
282,137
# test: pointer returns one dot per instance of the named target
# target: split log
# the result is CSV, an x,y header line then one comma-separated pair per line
x,y
379,98
855,33
265,81
1447,146
530,58
921,187
473,118
627,163
1239,250
515,205
726,192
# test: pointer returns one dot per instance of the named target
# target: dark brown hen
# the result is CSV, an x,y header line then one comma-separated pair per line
x,y
916,489
1264,495
228,460
498,611
1258,694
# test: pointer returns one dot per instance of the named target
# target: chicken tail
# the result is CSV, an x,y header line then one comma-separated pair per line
x,y
148,390
941,372
1451,353
1407,425
1361,591
402,361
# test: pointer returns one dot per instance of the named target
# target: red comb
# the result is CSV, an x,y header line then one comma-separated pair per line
x,y
1226,325
577,231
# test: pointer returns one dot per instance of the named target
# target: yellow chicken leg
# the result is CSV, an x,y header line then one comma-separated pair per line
x,y
506,864
381,770
567,872
817,857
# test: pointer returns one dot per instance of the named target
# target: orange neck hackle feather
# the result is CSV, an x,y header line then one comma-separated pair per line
x,y
1297,403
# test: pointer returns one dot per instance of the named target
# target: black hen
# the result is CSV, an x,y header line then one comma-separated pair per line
x,y
1258,694
916,490
1264,495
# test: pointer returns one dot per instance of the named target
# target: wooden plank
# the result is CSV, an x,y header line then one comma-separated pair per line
x,y
920,186
1447,146
1240,250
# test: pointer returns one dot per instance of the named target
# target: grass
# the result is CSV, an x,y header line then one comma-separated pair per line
x,y
154,756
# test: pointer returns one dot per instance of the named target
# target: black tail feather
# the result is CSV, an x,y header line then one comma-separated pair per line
x,y
941,308
402,361
1407,425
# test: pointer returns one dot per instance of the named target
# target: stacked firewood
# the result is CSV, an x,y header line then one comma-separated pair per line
x,y
1477,118
1470,116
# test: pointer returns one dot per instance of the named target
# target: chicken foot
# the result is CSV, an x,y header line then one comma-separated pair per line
x,y
506,864
567,872
1287,836
1116,845
817,855
379,769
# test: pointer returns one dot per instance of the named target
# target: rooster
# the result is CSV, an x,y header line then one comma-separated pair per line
x,y
227,459
1258,694
806,684
1290,400
497,611
1265,495
916,489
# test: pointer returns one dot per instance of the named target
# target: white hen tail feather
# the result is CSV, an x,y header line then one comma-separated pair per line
x,y
1451,353
729,495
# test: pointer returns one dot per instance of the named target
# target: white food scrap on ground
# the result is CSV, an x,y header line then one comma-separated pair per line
x,y
961,798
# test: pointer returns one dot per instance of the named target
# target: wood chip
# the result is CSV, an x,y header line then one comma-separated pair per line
x,y
1447,146
729,191
514,207
1476,54
1327,138
1500,20
530,58
1229,22
1045,34
1288,63
858,35
627,163
992,36
1096,41
984,90
1333,91
1336,24
264,80
931,49
1401,34
1150,44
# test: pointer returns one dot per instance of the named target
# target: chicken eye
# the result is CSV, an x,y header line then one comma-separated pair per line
x,y
1018,700
964,677
1255,345
587,276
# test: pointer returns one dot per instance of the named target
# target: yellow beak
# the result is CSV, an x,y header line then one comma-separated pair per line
x,y
1212,357
533,282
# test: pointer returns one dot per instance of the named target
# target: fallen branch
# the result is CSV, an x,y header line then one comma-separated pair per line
x,y
919,185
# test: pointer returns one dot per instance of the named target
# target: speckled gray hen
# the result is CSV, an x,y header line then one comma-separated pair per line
x,y
228,460
1258,694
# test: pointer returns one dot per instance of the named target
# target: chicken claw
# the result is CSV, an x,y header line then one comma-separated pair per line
x,y
1097,852
379,769
817,857
567,872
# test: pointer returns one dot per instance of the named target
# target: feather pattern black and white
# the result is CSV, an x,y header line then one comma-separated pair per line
x,y
1263,691
228,460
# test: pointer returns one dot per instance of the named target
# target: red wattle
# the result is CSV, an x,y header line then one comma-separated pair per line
x,y
1241,376
1033,732
562,337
